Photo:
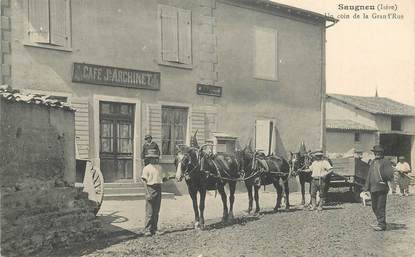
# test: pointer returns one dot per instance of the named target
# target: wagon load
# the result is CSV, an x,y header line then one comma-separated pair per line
x,y
349,172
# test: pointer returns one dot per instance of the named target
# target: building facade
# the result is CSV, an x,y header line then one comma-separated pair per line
x,y
361,122
170,68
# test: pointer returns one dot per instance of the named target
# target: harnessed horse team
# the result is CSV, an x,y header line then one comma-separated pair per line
x,y
204,171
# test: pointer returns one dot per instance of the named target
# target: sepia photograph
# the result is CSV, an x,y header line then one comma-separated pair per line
x,y
207,128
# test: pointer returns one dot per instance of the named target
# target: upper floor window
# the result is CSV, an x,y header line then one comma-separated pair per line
x,y
396,123
49,23
176,36
266,54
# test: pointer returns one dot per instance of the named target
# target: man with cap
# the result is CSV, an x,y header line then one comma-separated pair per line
x,y
403,169
150,148
152,180
380,172
320,168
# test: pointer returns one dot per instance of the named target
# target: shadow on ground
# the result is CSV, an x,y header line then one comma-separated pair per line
x,y
111,235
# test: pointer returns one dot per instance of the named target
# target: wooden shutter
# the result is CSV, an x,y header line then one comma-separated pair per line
x,y
169,34
82,127
154,122
262,135
59,18
39,21
197,120
185,36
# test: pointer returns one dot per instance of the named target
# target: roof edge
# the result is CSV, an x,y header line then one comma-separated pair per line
x,y
288,10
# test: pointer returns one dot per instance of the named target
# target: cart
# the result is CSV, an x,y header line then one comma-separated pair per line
x,y
89,178
349,172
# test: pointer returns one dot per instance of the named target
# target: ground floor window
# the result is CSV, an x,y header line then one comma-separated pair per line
x,y
174,126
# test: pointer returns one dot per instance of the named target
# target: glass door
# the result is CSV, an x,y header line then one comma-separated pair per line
x,y
116,141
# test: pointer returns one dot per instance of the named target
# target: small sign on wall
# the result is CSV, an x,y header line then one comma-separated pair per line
x,y
210,90
117,77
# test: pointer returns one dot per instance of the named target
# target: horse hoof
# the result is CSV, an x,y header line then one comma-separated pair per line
x,y
276,209
256,211
197,225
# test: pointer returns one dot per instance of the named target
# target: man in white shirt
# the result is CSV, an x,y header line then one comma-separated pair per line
x,y
152,180
404,180
320,168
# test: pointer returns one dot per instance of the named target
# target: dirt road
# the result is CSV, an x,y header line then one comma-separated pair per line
x,y
340,230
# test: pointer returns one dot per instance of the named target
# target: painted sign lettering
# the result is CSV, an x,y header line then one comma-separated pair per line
x,y
117,77
209,90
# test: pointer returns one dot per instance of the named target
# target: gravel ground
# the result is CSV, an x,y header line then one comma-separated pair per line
x,y
342,229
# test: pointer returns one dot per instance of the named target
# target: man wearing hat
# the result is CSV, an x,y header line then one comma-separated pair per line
x,y
404,180
150,148
320,168
152,180
380,172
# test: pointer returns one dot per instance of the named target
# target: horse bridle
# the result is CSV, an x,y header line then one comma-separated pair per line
x,y
306,162
186,172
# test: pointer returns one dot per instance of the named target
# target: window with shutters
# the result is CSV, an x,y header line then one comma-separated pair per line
x,y
173,126
176,36
49,23
266,54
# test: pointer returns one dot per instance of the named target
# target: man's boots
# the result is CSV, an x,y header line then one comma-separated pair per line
x,y
313,204
320,204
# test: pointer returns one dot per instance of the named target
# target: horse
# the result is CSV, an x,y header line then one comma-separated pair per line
x,y
300,163
188,166
221,169
205,171
258,169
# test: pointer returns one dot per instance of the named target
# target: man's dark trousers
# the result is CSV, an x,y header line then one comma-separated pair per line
x,y
153,202
379,206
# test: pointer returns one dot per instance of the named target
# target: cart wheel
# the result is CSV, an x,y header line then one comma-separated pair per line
x,y
94,185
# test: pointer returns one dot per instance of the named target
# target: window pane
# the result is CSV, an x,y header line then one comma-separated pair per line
x,y
124,138
106,145
124,130
107,140
106,129
125,146
105,108
126,109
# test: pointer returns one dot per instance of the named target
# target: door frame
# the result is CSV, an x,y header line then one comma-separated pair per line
x,y
137,128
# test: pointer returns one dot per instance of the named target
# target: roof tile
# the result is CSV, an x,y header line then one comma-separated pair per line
x,y
376,105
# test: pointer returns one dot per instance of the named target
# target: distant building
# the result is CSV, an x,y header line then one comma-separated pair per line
x,y
360,122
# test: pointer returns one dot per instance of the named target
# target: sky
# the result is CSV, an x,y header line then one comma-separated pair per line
x,y
363,54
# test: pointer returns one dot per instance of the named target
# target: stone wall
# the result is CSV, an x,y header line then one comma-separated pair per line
x,y
40,209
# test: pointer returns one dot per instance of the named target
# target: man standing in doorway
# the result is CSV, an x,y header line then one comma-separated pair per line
x,y
380,172
403,168
150,148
